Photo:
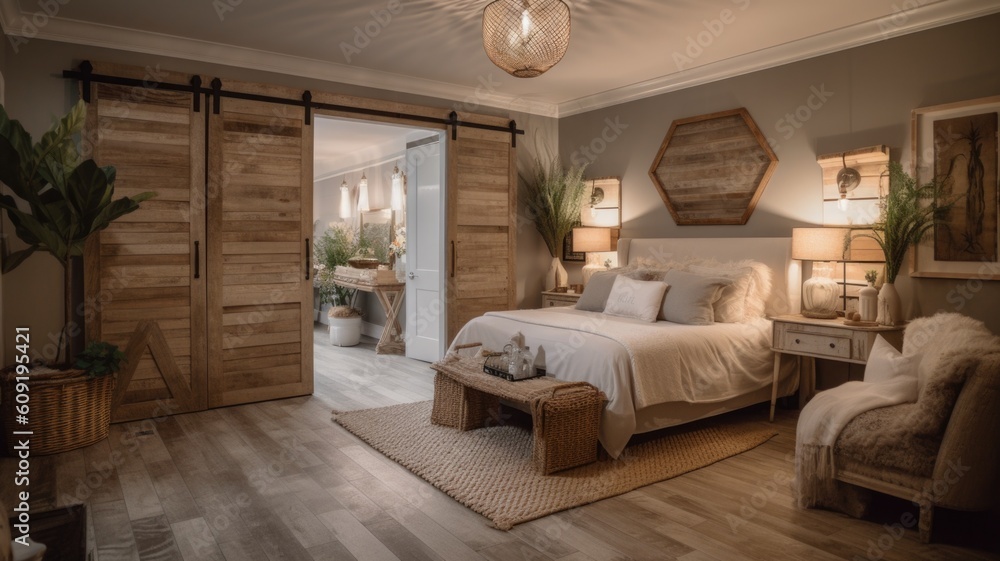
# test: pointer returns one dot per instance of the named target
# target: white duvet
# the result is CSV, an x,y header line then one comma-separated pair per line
x,y
636,364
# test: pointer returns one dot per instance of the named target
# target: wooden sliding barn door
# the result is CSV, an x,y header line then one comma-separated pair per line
x,y
482,229
260,237
144,284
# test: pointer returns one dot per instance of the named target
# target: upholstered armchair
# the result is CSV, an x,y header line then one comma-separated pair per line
x,y
943,450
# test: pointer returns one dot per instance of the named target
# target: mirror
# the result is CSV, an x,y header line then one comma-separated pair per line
x,y
377,231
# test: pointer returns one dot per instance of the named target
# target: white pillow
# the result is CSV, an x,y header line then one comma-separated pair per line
x,y
691,297
635,298
747,297
886,363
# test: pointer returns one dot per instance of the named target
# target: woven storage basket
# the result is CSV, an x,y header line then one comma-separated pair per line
x,y
565,426
67,410
459,406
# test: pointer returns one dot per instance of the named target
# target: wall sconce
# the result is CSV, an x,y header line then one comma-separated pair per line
x,y
363,205
848,180
593,240
396,198
345,200
819,292
603,208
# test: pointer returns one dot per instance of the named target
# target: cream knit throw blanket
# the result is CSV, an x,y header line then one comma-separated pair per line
x,y
821,422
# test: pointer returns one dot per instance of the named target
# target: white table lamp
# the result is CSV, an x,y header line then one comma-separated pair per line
x,y
592,240
820,293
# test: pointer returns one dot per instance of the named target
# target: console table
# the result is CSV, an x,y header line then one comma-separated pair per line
x,y
390,295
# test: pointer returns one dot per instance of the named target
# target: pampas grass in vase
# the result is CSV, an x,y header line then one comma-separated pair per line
x,y
908,212
555,198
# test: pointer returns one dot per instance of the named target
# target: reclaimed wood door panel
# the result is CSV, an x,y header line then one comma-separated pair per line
x,y
260,233
143,293
482,209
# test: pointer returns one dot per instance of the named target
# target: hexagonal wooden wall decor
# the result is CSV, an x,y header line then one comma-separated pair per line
x,y
712,169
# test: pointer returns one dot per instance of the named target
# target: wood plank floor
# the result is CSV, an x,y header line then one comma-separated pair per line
x,y
280,481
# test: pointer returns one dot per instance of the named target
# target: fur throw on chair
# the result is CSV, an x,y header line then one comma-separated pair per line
x,y
903,439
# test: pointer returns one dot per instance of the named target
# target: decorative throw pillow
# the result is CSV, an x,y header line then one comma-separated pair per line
x,y
595,294
886,363
691,297
635,298
645,274
747,297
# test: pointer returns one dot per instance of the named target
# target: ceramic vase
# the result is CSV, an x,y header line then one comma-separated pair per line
x,y
400,268
345,332
556,276
868,303
890,307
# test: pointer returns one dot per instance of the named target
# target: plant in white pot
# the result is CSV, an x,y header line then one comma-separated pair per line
x,y
61,200
908,212
333,249
555,198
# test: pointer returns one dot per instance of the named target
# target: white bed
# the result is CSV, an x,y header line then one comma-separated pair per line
x,y
709,369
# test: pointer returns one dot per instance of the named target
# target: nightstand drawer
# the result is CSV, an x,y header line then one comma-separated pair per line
x,y
834,347
559,299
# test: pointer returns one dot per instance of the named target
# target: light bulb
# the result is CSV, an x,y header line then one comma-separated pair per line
x,y
345,200
844,203
525,24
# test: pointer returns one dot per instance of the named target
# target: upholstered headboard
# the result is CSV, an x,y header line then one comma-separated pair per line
x,y
776,253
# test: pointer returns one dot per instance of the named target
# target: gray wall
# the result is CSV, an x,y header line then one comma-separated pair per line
x,y
32,294
870,93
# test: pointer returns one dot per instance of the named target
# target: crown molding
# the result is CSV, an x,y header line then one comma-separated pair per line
x,y
126,39
925,17
99,35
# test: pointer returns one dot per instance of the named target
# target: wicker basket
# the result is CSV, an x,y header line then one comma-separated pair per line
x,y
565,427
68,410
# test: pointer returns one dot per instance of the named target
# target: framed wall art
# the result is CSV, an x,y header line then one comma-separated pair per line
x,y
568,253
957,144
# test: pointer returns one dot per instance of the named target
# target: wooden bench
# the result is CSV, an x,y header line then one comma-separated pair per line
x,y
565,416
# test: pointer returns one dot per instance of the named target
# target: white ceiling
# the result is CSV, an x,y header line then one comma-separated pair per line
x,y
619,49
342,145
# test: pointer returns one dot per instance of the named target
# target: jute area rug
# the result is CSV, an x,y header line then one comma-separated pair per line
x,y
489,469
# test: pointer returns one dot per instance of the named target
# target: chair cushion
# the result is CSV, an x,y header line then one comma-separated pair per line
x,y
886,363
907,437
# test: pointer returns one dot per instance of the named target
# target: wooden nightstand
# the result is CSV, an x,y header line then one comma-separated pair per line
x,y
557,299
828,339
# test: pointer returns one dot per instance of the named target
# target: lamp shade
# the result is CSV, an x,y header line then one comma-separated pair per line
x,y
396,197
345,200
526,37
363,205
589,240
819,244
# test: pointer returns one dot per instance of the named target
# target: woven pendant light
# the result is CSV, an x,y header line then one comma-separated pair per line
x,y
526,38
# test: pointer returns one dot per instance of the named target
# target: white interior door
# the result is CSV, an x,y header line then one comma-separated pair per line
x,y
425,203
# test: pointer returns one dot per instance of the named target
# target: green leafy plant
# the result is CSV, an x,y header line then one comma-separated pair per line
x,y
68,198
871,275
555,197
908,211
100,358
333,249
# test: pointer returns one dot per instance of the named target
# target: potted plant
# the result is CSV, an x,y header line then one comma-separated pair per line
x,y
908,211
68,199
338,244
555,197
